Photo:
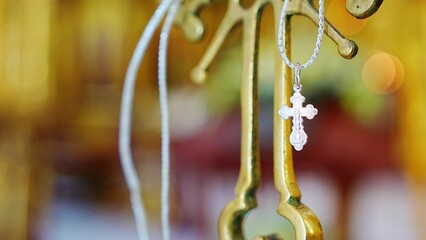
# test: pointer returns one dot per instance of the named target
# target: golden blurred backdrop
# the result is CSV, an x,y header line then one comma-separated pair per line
x,y
62,65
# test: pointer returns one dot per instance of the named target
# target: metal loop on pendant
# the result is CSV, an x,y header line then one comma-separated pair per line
x,y
297,85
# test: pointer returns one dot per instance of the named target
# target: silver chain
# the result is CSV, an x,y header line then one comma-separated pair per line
x,y
283,19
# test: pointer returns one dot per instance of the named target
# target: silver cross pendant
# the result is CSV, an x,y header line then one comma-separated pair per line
x,y
298,136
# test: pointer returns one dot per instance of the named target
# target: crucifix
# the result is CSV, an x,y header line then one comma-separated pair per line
x,y
304,221
298,136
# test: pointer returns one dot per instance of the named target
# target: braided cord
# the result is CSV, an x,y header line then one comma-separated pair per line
x,y
165,126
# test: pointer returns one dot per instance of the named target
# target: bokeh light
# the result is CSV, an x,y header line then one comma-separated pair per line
x,y
383,73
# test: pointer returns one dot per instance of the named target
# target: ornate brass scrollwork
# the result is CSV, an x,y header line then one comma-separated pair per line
x,y
305,223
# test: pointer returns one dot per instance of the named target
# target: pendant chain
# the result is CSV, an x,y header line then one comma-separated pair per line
x,y
298,136
283,19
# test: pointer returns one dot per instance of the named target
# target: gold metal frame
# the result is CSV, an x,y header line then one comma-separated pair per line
x,y
305,223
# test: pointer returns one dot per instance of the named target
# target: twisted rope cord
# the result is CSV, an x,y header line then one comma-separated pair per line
x,y
283,19
165,126
126,159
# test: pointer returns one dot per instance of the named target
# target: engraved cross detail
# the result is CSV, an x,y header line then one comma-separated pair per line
x,y
298,136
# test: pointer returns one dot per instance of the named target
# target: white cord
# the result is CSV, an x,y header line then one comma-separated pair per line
x,y
283,18
165,127
130,173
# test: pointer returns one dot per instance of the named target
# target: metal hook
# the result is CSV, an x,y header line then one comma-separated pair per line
x,y
297,85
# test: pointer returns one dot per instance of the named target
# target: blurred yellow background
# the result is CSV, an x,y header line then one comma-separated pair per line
x,y
62,65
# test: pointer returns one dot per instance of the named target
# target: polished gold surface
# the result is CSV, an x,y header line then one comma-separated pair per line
x,y
305,223
363,8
